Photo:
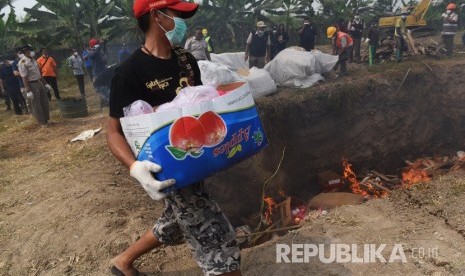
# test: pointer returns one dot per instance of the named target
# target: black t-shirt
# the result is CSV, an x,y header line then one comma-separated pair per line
x,y
151,79
308,34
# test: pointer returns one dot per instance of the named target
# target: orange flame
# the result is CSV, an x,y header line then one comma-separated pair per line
x,y
350,176
270,206
414,174
355,185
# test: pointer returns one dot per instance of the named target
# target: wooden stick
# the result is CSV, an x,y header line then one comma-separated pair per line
x,y
402,84
269,231
380,175
378,186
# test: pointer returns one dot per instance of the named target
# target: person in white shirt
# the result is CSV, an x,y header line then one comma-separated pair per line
x,y
76,63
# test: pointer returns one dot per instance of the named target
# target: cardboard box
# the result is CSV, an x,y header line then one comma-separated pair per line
x,y
192,143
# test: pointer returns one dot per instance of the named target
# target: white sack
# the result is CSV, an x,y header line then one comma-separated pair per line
x,y
260,82
216,74
234,61
297,68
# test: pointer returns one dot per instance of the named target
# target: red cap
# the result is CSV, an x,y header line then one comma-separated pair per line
x,y
93,42
142,7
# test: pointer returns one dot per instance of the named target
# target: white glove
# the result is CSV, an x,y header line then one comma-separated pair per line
x,y
367,40
29,95
48,86
141,170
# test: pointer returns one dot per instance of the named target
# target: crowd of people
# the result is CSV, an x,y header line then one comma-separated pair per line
x,y
262,46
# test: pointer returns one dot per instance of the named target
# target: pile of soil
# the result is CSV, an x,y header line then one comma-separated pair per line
x,y
68,208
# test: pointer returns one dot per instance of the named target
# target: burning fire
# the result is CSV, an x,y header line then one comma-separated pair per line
x,y
350,176
414,174
361,188
270,206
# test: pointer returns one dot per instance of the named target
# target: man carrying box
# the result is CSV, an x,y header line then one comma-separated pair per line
x,y
189,212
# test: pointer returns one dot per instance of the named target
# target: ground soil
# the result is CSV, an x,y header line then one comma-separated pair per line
x,y
68,208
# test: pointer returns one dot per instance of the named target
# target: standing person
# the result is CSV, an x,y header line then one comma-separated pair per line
x,y
26,103
76,63
87,62
10,85
356,27
258,47
197,46
400,35
373,41
209,41
204,226
342,43
308,35
449,27
34,85
272,35
48,68
96,55
281,38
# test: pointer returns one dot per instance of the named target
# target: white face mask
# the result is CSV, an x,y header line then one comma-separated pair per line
x,y
75,53
20,56
33,54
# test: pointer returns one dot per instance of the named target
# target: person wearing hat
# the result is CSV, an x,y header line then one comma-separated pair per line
x,y
97,56
400,34
34,85
342,45
209,41
308,35
155,73
76,64
449,27
26,103
258,48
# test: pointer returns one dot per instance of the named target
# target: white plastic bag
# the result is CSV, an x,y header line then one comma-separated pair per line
x,y
260,82
138,107
190,95
216,74
234,61
297,68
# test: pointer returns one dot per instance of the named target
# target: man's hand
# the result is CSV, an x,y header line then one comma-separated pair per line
x,y
141,170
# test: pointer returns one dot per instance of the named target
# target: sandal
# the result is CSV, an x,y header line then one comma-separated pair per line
x,y
115,271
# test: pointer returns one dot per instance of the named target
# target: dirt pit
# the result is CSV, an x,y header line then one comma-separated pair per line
x,y
374,120
68,208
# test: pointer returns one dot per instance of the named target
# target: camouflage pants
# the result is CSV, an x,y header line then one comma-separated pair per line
x,y
191,215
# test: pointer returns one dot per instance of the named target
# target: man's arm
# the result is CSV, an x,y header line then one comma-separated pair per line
x,y
118,144
247,47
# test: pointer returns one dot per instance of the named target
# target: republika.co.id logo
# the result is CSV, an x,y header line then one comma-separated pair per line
x,y
349,253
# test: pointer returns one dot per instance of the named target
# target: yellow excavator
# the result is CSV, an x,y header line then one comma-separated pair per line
x,y
415,21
